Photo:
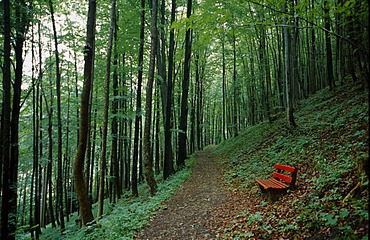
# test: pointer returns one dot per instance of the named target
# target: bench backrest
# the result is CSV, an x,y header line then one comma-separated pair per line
x,y
288,179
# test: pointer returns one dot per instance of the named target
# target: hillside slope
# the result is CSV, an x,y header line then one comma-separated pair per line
x,y
329,147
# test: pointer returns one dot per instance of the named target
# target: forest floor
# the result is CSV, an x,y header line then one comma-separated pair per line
x,y
190,213
216,197
221,200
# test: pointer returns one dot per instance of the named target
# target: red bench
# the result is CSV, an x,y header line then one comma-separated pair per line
x,y
279,182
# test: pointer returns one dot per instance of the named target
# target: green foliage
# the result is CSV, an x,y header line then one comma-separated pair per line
x,y
326,147
128,216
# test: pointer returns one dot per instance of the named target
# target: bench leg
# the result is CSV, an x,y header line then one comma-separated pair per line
x,y
263,190
273,195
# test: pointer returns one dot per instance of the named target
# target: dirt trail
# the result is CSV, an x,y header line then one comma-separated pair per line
x,y
187,214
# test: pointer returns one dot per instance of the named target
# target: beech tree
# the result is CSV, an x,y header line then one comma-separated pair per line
x,y
182,153
215,69
138,102
103,160
168,168
148,155
59,194
7,228
84,202
288,70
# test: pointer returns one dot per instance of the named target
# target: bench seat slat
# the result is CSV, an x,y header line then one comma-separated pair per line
x,y
278,183
271,183
283,177
262,183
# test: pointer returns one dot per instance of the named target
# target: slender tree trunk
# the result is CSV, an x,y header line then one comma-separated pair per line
x,y
235,89
114,158
67,155
50,158
138,103
5,126
35,150
84,203
43,183
184,96
313,58
224,92
161,57
196,115
329,56
25,194
106,108
287,77
168,168
39,206
35,171
141,165
59,194
148,156
157,164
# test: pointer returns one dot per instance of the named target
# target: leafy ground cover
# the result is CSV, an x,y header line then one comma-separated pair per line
x,y
330,147
126,217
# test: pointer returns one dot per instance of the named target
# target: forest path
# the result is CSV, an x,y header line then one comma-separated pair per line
x,y
189,214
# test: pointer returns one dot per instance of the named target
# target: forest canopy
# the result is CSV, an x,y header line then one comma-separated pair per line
x,y
100,96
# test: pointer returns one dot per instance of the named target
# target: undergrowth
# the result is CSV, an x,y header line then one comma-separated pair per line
x,y
329,147
126,217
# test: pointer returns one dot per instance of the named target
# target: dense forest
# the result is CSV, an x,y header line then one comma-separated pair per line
x,y
98,97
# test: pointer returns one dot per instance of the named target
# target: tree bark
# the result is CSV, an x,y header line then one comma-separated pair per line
x,y
287,77
59,194
118,168
138,103
235,89
148,156
22,17
5,126
84,203
329,56
168,168
224,92
184,96
106,109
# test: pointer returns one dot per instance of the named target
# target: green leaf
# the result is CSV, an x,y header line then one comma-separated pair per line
x,y
344,213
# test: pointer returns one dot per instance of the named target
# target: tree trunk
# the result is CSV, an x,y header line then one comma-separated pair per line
x,y
224,92
84,203
59,195
198,118
138,103
168,168
287,77
114,158
22,21
35,171
184,96
50,158
235,89
329,56
148,156
157,164
6,232
313,58
106,109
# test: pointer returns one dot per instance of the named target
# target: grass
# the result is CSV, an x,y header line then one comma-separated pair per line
x,y
329,147
124,219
